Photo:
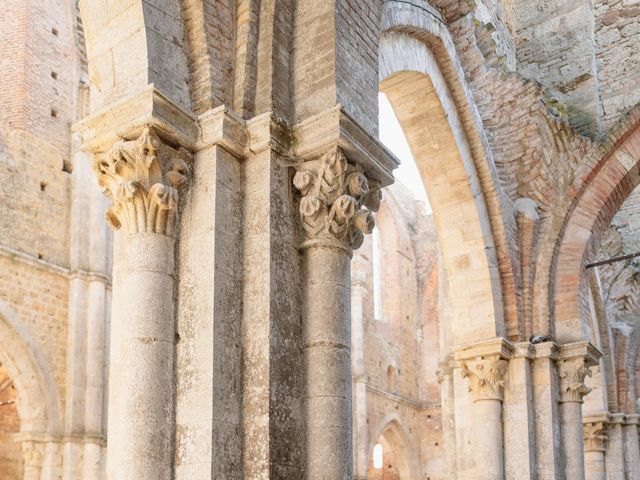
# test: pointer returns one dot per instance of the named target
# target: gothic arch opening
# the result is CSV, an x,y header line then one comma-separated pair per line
x,y
29,386
601,189
391,455
412,81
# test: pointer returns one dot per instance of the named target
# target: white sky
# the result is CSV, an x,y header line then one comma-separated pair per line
x,y
392,136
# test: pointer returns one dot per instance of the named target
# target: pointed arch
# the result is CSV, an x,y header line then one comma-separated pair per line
x,y
393,432
38,400
412,80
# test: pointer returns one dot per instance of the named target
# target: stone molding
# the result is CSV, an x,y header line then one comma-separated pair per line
x,y
337,202
632,419
127,118
574,365
595,436
142,178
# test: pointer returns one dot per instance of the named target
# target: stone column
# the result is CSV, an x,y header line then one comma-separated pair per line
x,y
575,361
335,209
545,396
33,457
485,367
595,438
142,176
631,446
614,455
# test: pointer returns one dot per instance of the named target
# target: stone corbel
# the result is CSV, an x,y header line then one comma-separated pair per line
x,y
574,365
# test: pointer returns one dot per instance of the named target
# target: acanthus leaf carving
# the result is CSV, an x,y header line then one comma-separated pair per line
x,y
595,436
486,377
572,373
337,201
142,177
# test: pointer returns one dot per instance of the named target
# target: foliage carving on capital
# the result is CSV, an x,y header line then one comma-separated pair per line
x,y
32,453
486,377
572,373
337,201
142,177
595,437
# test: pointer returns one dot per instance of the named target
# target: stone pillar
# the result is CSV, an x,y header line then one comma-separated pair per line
x,y
519,425
335,209
142,176
447,396
359,287
631,446
614,456
485,367
545,395
575,361
595,438
33,457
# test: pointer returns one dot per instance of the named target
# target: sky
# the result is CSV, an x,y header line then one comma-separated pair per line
x,y
393,138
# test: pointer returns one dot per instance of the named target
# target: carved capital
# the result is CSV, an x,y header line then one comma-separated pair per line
x,y
142,177
595,436
572,373
337,201
32,453
486,377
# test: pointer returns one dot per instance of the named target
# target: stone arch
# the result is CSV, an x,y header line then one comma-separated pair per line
x,y
411,79
132,44
38,404
600,189
393,432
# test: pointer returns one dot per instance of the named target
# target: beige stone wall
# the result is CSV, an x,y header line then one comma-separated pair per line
x,y
400,349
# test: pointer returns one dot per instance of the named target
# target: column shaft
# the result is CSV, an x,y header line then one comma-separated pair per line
x,y
327,340
631,450
572,439
594,465
141,387
487,436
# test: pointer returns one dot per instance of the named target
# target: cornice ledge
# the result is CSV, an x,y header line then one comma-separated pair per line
x,y
632,419
546,350
494,348
335,128
126,119
582,349
617,419
223,127
596,417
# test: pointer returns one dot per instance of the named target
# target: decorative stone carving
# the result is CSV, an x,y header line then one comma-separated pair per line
x,y
337,201
572,372
595,437
32,453
142,177
486,378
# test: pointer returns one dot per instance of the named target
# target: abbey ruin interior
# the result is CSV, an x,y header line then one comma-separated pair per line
x,y
210,267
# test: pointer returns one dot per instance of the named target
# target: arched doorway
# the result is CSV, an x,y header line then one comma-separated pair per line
x,y
31,418
391,456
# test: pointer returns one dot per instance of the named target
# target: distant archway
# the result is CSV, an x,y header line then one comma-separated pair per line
x,y
398,458
37,401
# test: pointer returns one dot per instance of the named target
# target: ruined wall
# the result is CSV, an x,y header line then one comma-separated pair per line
x,y
621,296
401,348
